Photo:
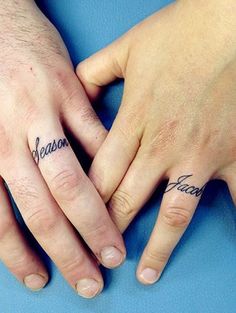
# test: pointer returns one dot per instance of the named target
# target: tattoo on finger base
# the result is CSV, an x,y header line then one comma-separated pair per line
x,y
182,186
41,152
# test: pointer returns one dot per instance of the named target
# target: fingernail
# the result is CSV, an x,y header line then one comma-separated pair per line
x,y
111,257
35,281
149,276
88,288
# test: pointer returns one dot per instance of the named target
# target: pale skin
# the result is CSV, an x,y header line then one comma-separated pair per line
x,y
176,120
41,97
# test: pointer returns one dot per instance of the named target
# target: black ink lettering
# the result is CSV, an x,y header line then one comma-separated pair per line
x,y
41,152
54,146
48,149
35,152
59,144
186,188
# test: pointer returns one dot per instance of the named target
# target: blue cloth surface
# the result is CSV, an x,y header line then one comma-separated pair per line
x,y
201,274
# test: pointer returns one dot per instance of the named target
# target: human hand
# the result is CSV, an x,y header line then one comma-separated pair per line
x,y
176,120
41,96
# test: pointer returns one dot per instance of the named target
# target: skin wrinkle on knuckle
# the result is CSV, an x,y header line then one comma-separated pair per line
x,y
177,217
20,265
72,265
154,256
41,221
95,229
96,233
121,205
67,184
19,261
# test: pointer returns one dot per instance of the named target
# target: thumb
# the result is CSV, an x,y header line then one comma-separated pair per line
x,y
103,67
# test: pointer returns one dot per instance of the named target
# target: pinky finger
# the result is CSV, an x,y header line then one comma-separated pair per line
x,y
14,251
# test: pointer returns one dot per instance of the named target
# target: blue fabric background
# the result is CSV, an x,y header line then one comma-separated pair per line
x,y
201,275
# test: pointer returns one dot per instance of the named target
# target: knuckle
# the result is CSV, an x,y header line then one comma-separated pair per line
x,y
19,262
71,265
155,256
41,222
66,184
177,216
95,230
122,206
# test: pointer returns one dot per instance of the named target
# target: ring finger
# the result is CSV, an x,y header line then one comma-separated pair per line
x,y
75,193
178,206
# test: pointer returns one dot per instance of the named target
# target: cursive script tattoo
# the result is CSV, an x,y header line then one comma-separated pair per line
x,y
183,187
41,152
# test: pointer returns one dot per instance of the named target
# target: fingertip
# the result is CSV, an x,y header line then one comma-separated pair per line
x,y
89,288
148,276
112,257
93,91
36,281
